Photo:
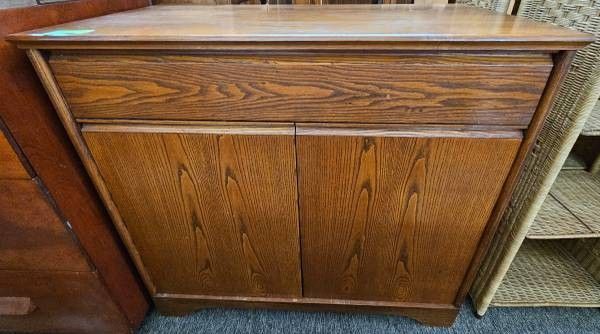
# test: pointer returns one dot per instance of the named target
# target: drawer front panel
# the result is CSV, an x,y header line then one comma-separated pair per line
x,y
426,89
212,210
394,217
60,302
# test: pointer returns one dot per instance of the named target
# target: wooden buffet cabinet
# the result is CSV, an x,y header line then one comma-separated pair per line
x,y
328,157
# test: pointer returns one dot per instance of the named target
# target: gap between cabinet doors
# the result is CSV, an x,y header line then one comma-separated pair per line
x,y
458,135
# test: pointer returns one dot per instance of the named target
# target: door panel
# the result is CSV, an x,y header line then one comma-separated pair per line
x,y
393,215
212,209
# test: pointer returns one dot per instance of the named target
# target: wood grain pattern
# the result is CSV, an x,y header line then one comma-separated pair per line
x,y
10,164
407,131
218,210
32,235
222,128
28,113
393,218
429,314
448,89
66,302
433,27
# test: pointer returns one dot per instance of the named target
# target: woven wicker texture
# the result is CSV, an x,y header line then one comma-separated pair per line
x,y
587,252
579,191
495,5
572,106
592,126
545,274
570,210
555,221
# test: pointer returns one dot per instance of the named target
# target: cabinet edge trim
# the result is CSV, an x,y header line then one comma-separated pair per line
x,y
281,129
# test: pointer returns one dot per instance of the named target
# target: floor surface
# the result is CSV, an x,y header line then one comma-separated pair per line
x,y
497,320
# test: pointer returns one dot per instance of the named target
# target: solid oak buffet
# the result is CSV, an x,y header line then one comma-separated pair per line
x,y
326,157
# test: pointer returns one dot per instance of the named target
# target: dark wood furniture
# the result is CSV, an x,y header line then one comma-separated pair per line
x,y
62,265
47,283
343,157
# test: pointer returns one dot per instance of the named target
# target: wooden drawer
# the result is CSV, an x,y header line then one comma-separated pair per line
x,y
63,302
425,89
32,235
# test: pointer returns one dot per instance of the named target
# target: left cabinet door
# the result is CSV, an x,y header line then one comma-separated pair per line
x,y
211,208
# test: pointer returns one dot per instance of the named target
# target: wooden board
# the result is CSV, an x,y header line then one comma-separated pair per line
x,y
10,164
430,315
449,89
65,302
219,210
32,235
425,26
395,218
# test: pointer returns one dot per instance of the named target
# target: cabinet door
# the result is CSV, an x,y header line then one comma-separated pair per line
x,y
212,209
395,215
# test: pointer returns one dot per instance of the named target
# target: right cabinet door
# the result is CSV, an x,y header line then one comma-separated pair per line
x,y
395,215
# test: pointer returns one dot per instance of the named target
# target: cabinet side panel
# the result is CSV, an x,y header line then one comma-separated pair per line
x,y
11,166
209,213
395,218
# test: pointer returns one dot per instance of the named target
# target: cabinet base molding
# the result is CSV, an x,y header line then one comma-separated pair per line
x,y
427,314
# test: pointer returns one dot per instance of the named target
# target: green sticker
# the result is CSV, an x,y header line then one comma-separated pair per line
x,y
64,32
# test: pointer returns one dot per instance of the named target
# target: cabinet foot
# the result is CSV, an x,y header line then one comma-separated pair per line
x,y
434,318
175,308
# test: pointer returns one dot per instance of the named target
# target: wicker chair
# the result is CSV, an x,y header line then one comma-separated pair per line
x,y
575,101
495,5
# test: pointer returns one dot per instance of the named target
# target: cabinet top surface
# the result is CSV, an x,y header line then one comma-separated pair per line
x,y
399,24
